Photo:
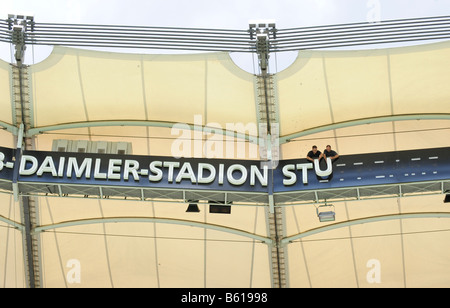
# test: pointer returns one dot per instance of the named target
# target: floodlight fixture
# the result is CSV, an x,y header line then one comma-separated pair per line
x,y
193,207
447,197
220,207
325,216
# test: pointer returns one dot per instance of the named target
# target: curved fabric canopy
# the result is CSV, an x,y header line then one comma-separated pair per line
x,y
6,116
75,86
323,90
325,97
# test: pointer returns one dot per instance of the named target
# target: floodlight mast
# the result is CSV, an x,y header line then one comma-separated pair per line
x,y
19,25
262,31
261,34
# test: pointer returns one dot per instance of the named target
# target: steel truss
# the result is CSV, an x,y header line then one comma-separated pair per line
x,y
301,197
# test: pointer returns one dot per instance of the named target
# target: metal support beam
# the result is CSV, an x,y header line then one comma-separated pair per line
x,y
257,237
39,130
12,223
339,225
261,33
19,26
15,184
28,245
383,119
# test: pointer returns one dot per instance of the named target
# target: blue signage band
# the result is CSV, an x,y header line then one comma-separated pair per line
x,y
144,177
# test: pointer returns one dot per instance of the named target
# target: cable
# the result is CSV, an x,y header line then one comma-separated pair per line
x,y
366,24
322,41
140,28
141,137
121,35
227,40
360,43
146,46
389,32
300,139
370,236
151,237
141,40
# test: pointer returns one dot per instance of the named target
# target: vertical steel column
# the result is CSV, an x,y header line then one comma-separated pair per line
x,y
18,26
261,33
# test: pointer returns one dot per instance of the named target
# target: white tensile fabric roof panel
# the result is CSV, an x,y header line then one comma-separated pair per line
x,y
404,252
329,87
133,254
6,103
76,86
319,89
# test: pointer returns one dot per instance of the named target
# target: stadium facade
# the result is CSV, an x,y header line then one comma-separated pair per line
x,y
183,170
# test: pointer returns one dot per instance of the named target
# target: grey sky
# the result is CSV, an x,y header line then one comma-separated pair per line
x,y
232,14
229,14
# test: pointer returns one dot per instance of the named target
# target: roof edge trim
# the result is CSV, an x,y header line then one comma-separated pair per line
x,y
224,58
39,130
152,220
405,117
289,239
303,56
9,127
12,223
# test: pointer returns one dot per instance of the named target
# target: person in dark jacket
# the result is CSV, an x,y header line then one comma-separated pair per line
x,y
328,152
314,154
